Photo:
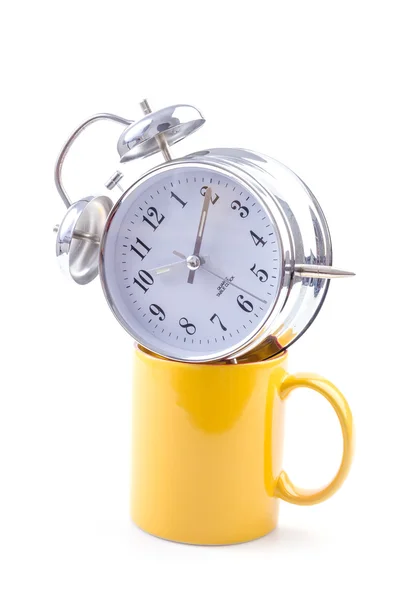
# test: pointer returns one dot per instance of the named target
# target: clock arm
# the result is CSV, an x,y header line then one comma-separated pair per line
x,y
200,231
234,284
166,268
221,277
170,266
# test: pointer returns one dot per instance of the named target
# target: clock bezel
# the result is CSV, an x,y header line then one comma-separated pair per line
x,y
286,252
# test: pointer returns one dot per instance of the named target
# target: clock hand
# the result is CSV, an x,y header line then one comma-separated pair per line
x,y
233,284
166,268
220,277
200,231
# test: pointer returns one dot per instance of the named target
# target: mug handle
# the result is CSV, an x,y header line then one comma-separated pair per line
x,y
285,489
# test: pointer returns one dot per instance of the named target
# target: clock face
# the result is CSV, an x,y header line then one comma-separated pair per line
x,y
191,263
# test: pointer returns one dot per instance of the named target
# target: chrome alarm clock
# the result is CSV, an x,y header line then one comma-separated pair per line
x,y
220,255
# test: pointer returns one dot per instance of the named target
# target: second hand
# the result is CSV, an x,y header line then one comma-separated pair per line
x,y
180,255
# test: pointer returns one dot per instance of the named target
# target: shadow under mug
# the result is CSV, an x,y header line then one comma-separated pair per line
x,y
207,447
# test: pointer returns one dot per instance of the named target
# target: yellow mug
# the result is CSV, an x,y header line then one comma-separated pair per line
x,y
207,446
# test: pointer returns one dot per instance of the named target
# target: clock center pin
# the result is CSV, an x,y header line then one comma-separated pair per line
x,y
193,262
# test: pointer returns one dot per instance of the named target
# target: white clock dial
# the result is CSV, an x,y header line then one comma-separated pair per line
x,y
191,263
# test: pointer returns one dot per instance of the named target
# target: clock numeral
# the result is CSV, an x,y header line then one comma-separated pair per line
x,y
215,316
190,328
138,241
257,239
152,212
145,277
243,210
246,305
178,199
204,189
157,311
261,274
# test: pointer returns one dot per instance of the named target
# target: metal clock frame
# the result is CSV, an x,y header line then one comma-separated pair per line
x,y
262,331
300,225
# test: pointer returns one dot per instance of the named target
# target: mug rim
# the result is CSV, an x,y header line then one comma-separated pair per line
x,y
273,361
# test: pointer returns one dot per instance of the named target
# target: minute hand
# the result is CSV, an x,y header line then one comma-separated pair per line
x,y
205,268
200,231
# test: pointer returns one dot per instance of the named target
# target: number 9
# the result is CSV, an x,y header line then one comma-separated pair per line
x,y
157,311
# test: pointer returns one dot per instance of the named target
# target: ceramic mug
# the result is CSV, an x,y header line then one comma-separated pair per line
x,y
207,447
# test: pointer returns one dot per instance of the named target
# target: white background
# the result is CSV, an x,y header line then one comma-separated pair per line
x,y
310,83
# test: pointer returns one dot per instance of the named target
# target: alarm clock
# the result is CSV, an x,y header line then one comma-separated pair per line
x,y
221,255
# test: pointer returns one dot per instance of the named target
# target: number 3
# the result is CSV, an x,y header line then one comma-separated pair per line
x,y
244,212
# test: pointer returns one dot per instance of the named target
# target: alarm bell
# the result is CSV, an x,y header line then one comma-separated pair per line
x,y
158,130
79,236
80,232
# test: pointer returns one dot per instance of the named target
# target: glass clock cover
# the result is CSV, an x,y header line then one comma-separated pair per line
x,y
192,311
